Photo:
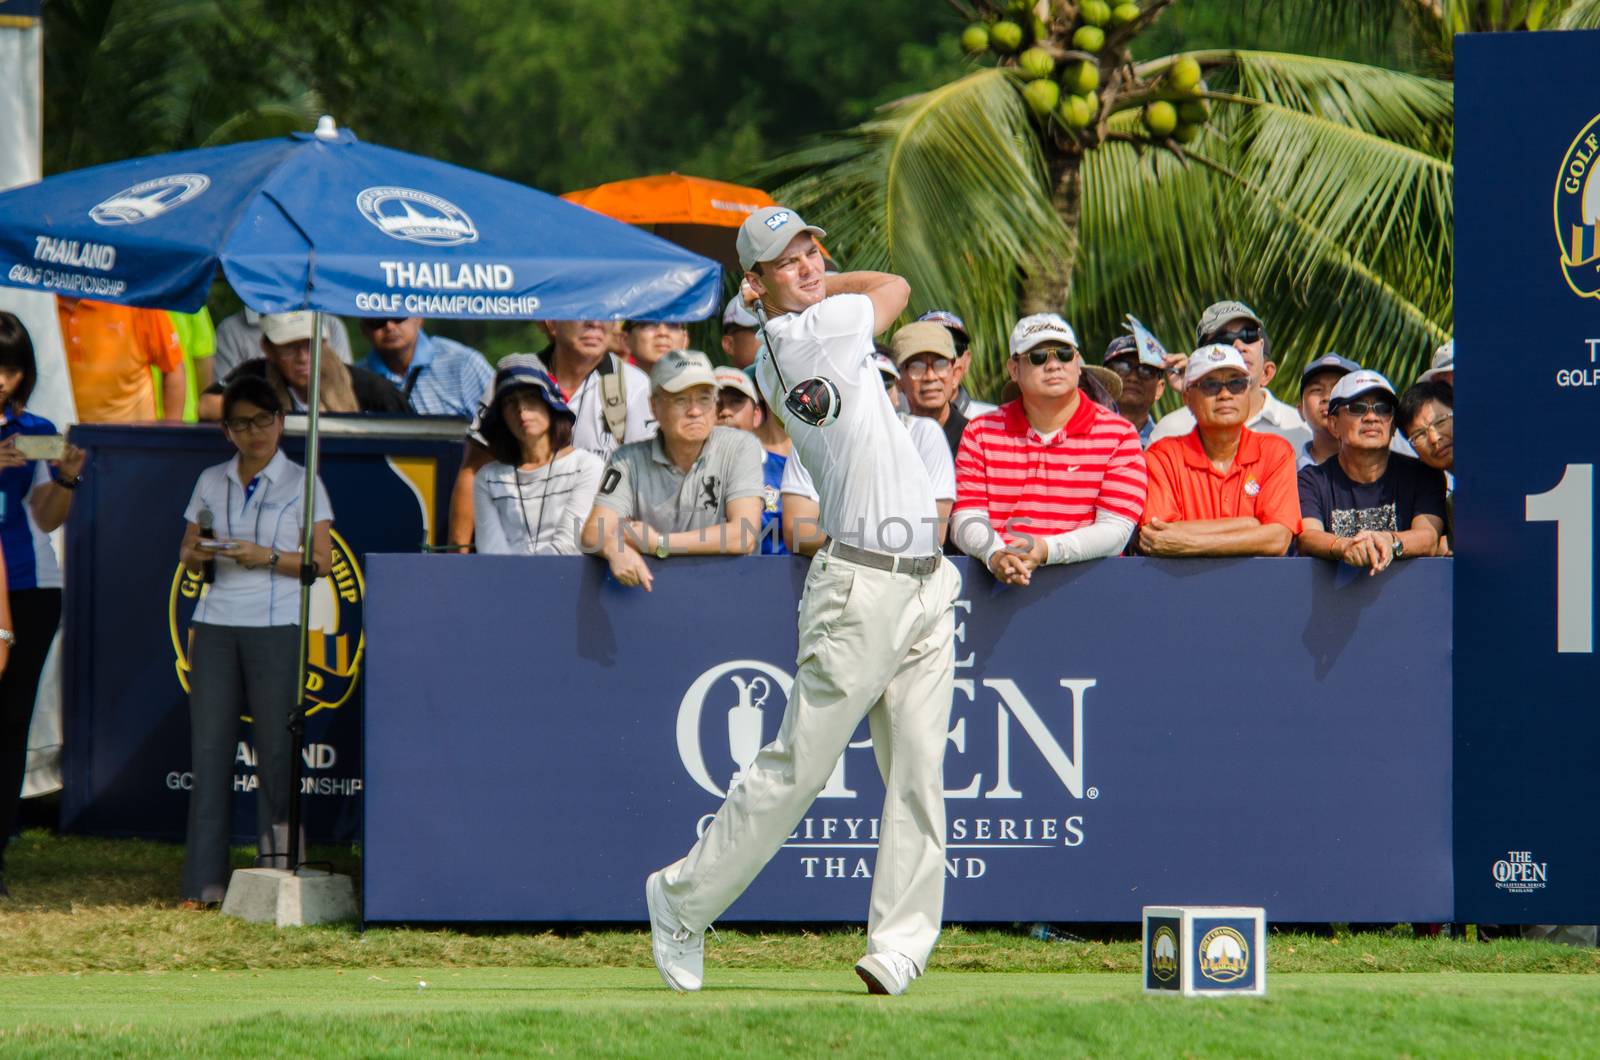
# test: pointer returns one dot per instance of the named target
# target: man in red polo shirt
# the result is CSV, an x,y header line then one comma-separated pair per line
x,y
1221,489
1051,477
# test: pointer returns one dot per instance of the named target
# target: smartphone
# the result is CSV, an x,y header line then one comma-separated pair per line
x,y
42,446
211,545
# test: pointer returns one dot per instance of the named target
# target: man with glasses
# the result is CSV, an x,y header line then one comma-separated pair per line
x,y
1369,506
1222,489
1236,324
650,340
926,357
1085,481
739,406
964,403
1427,419
694,489
1143,374
437,377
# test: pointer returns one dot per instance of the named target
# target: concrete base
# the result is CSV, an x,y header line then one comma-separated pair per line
x,y
276,896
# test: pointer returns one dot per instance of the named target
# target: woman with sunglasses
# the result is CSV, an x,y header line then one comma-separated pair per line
x,y
35,495
1222,489
246,525
532,500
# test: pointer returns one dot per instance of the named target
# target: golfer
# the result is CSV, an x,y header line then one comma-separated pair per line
x,y
876,621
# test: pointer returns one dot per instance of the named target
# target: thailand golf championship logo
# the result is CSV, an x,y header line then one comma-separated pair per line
x,y
336,640
1577,212
416,216
1163,954
1224,955
150,199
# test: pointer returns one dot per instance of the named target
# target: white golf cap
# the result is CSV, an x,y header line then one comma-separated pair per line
x,y
737,315
680,370
1208,359
1355,384
765,234
1041,327
284,328
1444,362
734,379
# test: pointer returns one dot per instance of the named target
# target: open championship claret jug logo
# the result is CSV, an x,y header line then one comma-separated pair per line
x,y
1577,212
336,642
149,199
416,216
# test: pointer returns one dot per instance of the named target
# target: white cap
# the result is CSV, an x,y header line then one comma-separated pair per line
x,y
284,328
737,315
1208,359
734,379
1038,328
1355,384
1444,362
766,232
680,370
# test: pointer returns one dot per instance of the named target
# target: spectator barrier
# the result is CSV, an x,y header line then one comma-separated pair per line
x,y
1260,732
125,710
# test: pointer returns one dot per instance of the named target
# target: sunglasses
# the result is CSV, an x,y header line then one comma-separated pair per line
x,y
1125,368
1212,387
1383,409
1040,355
1247,334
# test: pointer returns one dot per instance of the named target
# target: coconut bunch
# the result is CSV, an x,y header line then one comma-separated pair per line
x,y
1075,70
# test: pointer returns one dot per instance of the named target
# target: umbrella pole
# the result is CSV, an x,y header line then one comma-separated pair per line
x,y
308,578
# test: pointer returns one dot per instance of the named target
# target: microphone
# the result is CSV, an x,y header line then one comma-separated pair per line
x,y
205,520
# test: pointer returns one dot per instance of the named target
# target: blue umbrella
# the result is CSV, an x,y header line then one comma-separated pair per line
x,y
322,221
325,222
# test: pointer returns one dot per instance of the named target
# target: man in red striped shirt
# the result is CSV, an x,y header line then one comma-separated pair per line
x,y
1051,477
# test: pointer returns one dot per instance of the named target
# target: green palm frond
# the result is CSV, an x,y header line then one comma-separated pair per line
x,y
1321,195
948,190
1579,14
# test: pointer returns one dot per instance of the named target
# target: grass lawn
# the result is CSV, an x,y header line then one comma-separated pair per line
x,y
95,959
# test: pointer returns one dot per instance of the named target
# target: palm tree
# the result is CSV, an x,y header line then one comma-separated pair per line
x,y
1317,190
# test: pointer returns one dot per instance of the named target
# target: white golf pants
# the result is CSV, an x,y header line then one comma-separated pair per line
x,y
871,643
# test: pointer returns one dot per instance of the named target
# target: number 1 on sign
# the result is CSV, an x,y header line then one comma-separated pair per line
x,y
1571,507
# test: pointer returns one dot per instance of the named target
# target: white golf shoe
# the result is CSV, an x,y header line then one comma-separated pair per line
x,y
680,954
887,972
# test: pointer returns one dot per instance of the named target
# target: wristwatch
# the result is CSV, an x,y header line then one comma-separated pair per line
x,y
272,560
1399,545
69,483
661,547
9,637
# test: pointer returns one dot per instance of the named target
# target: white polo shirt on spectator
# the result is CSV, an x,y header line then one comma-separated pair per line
x,y
590,430
931,446
643,483
874,491
269,513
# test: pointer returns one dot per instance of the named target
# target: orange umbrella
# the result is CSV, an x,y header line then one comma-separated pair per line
x,y
698,214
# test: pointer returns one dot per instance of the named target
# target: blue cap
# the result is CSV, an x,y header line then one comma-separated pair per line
x,y
519,370
1329,362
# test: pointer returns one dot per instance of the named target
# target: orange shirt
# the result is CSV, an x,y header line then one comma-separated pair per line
x,y
110,351
1261,484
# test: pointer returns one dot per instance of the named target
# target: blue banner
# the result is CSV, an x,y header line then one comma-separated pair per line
x,y
125,703
1125,733
1528,292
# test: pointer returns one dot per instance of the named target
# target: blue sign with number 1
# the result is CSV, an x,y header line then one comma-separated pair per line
x,y
1528,290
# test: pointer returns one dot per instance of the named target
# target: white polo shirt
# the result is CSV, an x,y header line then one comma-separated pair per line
x,y
931,446
874,491
271,517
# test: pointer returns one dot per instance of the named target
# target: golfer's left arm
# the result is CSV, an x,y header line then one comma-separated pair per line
x,y
889,294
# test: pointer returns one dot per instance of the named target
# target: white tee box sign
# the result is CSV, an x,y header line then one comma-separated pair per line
x,y
1205,950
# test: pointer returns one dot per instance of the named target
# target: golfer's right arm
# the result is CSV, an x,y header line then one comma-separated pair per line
x,y
889,294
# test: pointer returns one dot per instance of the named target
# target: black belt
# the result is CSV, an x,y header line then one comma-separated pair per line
x,y
918,565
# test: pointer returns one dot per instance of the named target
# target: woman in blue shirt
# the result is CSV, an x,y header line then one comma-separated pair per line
x,y
35,496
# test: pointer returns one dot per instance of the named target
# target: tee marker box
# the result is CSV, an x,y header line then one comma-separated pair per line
x,y
1205,950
